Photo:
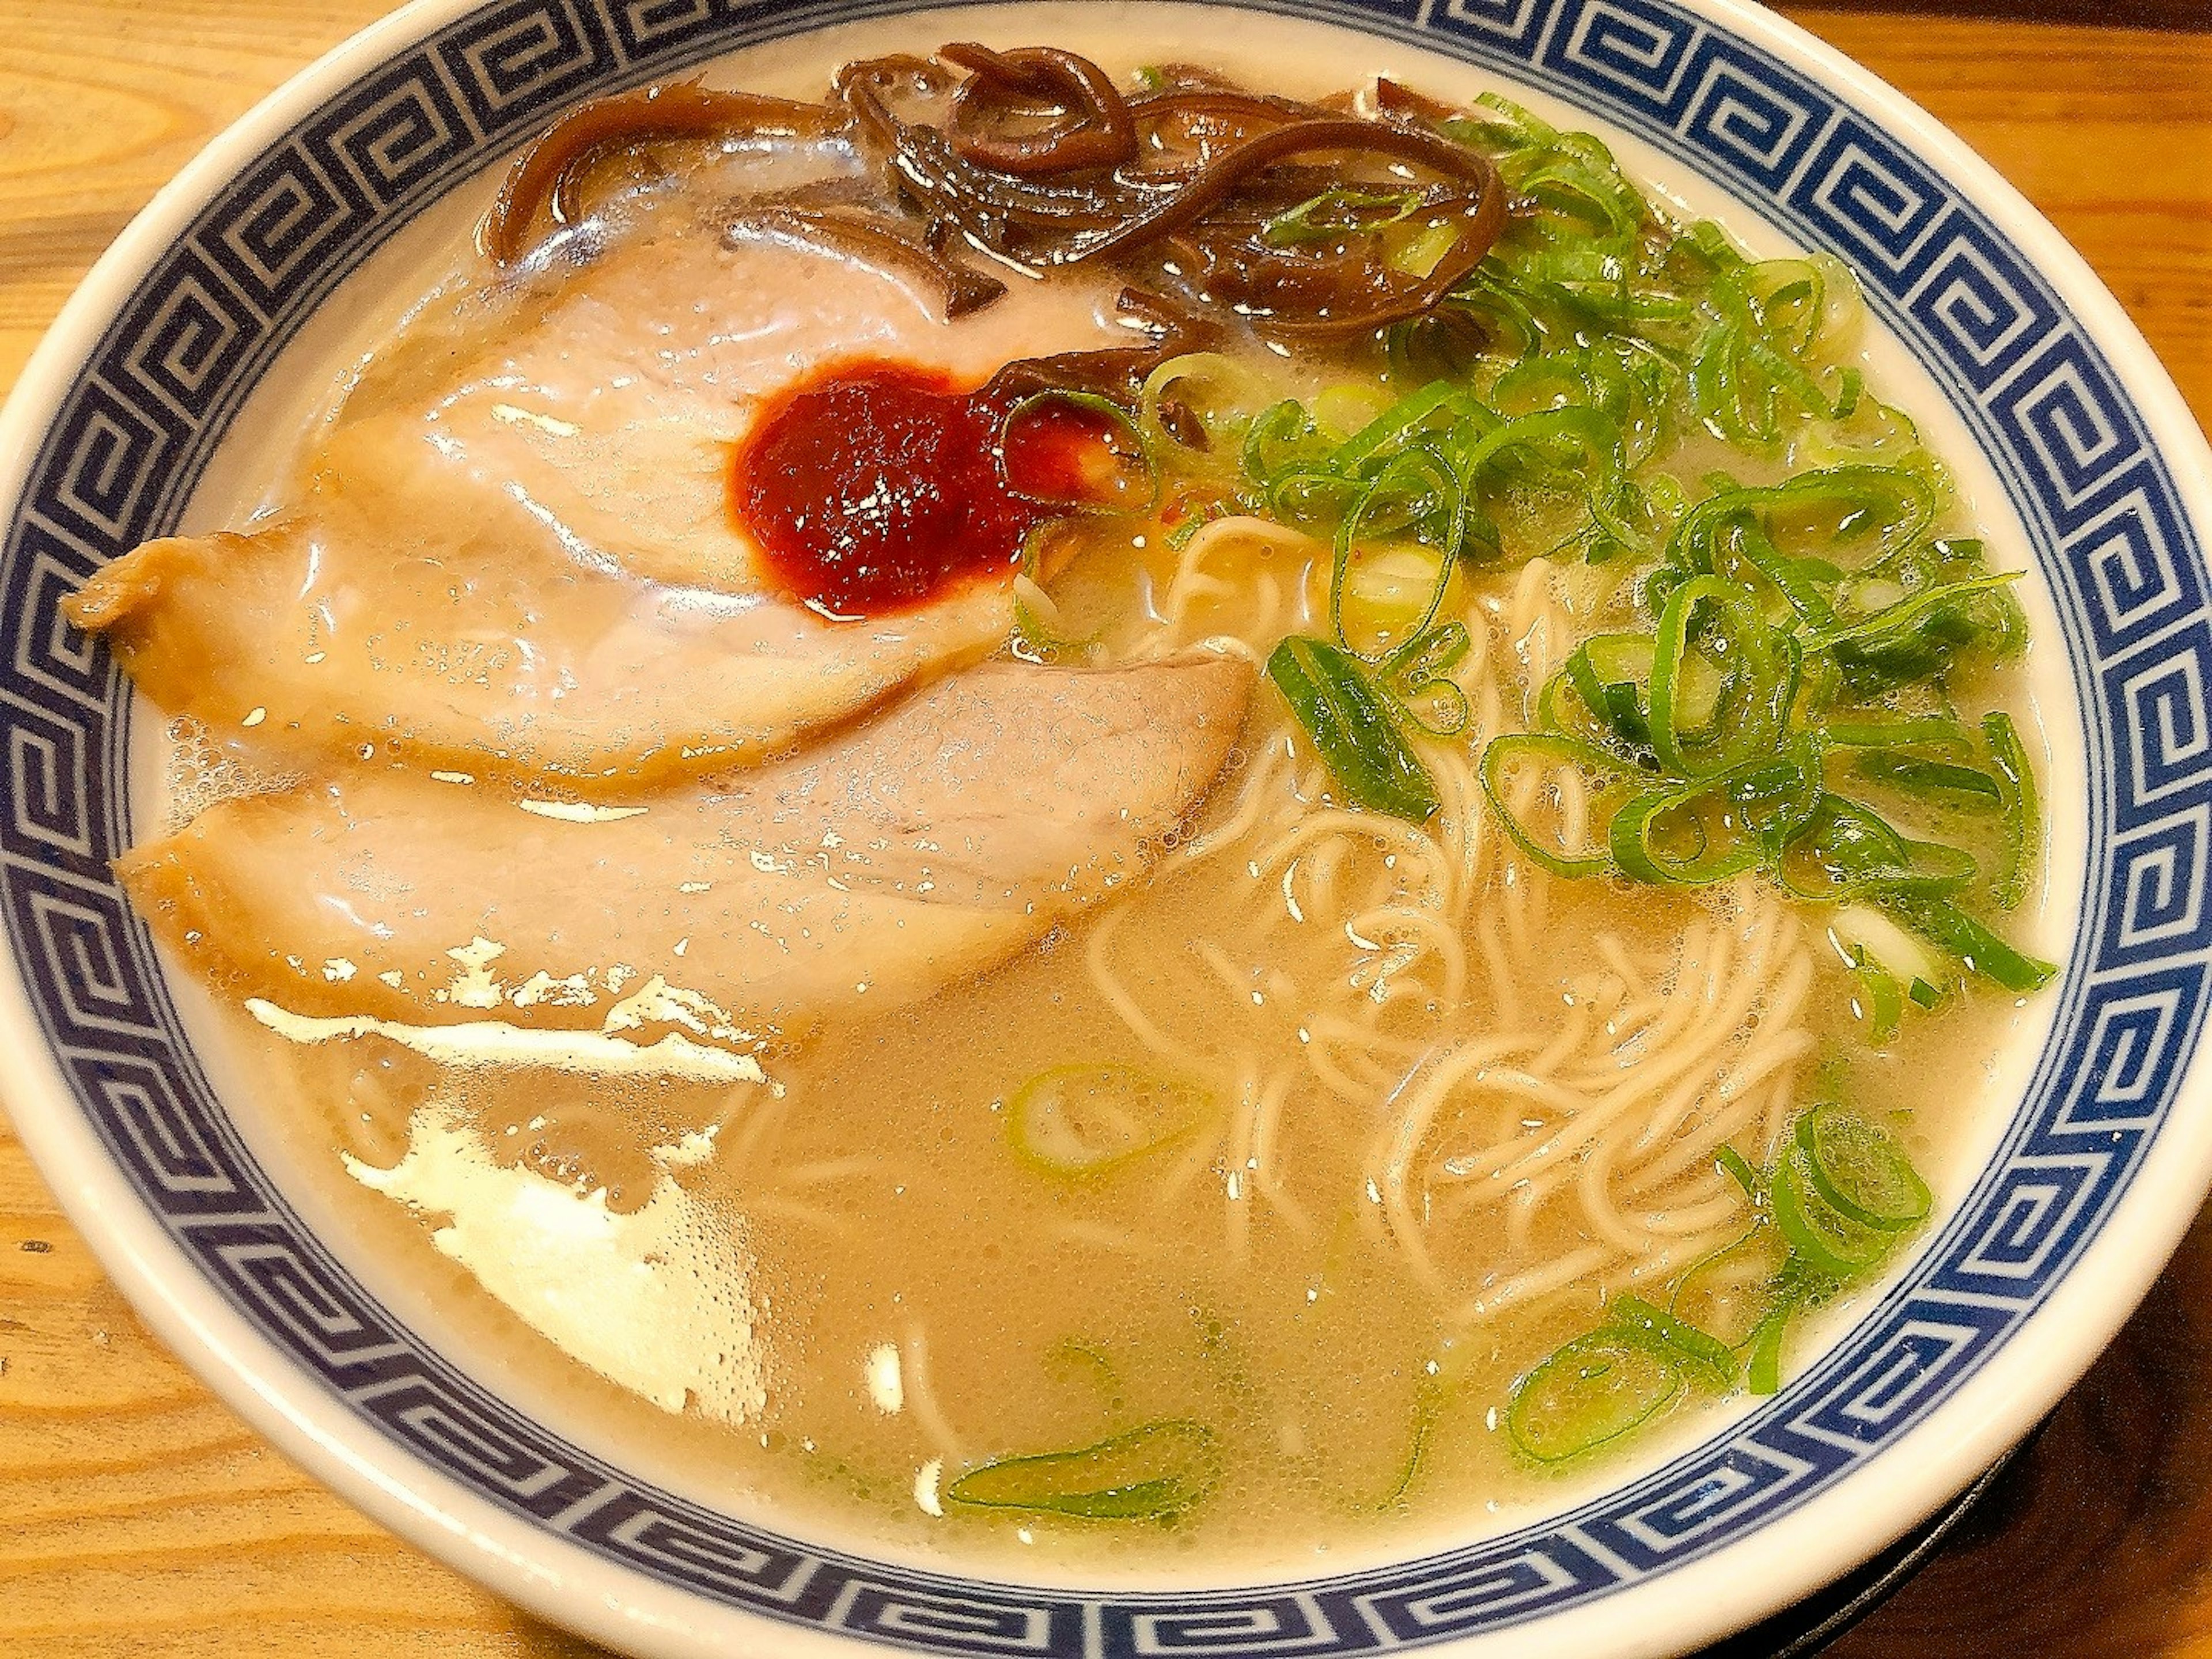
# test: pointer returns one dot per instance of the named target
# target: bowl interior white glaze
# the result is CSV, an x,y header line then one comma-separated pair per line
x,y
209,327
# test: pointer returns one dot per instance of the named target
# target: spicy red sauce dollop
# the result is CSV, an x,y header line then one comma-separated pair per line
x,y
874,487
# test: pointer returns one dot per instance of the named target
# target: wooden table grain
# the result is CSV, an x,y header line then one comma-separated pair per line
x,y
138,1516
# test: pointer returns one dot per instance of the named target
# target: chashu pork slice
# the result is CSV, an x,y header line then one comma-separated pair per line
x,y
925,846
513,552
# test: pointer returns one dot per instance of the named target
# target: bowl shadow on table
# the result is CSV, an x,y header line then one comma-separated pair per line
x,y
2094,1541
2185,15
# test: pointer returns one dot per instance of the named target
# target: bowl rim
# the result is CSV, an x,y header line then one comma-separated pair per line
x,y
557,1578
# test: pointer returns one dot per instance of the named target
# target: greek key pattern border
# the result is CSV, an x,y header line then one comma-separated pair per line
x,y
2108,532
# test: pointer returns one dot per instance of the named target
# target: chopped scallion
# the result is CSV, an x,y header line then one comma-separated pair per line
x,y
1076,1122
1353,729
2023,828
1149,1474
1949,928
1861,1171
1705,1357
1589,1393
1828,1239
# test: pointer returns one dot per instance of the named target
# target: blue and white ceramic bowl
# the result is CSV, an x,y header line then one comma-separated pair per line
x,y
2071,438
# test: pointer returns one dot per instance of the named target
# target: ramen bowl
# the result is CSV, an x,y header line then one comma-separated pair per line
x,y
208,326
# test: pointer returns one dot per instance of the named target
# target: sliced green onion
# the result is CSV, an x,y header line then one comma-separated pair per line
x,y
1336,211
1611,673
1846,850
1883,1008
1351,727
1280,444
1678,837
1773,796
1589,1393
1347,406
1427,1408
1564,831
1419,671
1223,392
2023,828
1738,1168
1951,929
1435,650
1673,644
1400,421
1131,451
1763,1374
1444,338
1893,622
1804,583
1421,252
1581,166
1041,635
1438,707
1939,779
1395,603
1892,505
1928,731
1525,124
1869,936
1829,1241
1075,1122
1861,1171
1784,374
1873,431
1595,435
1706,1356
1153,1473
1695,733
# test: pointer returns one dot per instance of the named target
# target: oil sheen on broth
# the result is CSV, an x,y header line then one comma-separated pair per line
x,y
883,984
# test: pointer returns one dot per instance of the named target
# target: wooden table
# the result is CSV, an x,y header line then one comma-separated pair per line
x,y
139,1516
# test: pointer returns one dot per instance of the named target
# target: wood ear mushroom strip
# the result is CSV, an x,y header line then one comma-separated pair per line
x,y
1038,160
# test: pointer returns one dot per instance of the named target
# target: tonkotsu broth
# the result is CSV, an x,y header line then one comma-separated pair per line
x,y
828,1293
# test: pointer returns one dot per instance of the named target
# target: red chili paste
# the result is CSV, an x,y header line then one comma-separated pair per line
x,y
874,487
